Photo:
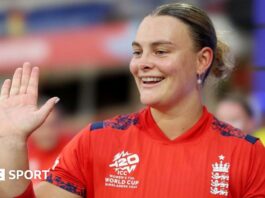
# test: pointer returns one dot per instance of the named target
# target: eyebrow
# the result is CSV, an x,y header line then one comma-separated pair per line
x,y
156,43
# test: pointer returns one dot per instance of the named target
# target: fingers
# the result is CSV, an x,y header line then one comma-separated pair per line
x,y
25,81
25,78
5,89
45,110
15,86
33,83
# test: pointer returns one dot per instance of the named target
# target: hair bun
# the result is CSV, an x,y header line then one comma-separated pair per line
x,y
223,63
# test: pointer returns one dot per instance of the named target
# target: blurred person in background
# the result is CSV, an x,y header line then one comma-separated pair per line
x,y
236,110
172,148
47,142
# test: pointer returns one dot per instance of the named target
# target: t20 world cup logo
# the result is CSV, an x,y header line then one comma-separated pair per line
x,y
124,163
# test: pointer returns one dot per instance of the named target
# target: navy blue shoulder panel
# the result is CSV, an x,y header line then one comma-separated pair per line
x,y
121,122
251,139
96,125
228,130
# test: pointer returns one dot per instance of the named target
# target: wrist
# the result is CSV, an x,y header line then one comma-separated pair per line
x,y
13,140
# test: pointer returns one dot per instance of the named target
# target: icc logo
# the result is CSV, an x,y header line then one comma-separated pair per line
x,y
124,162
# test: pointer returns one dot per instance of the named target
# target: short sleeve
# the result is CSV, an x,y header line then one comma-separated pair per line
x,y
68,171
256,173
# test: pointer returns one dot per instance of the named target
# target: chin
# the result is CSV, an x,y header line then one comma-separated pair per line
x,y
149,101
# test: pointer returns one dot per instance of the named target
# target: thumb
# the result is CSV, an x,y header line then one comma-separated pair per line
x,y
45,110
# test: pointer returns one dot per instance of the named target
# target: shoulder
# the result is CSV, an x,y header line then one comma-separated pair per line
x,y
102,128
228,131
119,122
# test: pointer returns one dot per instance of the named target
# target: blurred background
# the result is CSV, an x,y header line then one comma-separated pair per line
x,y
83,48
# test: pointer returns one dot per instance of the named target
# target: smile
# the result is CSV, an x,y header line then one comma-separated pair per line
x,y
151,80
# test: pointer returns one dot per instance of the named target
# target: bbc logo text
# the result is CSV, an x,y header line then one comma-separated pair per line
x,y
27,174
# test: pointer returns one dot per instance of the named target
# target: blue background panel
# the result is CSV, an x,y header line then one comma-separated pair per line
x,y
259,12
259,47
258,81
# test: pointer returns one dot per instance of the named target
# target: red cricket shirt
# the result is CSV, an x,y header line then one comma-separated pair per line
x,y
129,156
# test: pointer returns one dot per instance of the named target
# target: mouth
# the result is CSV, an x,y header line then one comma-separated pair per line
x,y
151,80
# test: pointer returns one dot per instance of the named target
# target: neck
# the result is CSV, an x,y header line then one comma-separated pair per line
x,y
183,115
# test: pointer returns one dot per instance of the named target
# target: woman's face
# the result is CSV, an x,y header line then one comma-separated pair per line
x,y
164,61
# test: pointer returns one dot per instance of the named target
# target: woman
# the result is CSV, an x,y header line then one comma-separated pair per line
x,y
172,148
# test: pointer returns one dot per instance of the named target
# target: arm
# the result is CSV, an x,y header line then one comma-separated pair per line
x,y
45,189
19,117
256,177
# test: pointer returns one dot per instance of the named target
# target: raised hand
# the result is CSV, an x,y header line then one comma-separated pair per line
x,y
19,113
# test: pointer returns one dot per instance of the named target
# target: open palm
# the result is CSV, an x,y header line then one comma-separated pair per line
x,y
19,113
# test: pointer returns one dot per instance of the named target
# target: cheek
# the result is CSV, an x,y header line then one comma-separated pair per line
x,y
181,73
183,68
133,67
169,67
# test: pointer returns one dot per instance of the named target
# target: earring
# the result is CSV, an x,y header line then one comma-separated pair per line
x,y
199,79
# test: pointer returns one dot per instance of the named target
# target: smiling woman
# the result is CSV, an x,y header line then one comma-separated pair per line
x,y
166,54
174,51
172,148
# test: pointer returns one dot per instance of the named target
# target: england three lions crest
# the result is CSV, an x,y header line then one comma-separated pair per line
x,y
220,177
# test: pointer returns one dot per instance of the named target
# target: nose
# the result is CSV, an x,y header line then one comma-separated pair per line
x,y
145,62
145,66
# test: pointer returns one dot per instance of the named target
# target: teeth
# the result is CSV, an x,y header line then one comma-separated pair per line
x,y
152,79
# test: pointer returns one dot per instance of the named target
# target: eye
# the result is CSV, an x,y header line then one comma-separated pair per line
x,y
160,52
136,53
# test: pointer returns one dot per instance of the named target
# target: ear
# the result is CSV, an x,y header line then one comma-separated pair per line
x,y
205,58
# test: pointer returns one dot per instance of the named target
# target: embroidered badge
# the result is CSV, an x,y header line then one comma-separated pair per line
x,y
220,177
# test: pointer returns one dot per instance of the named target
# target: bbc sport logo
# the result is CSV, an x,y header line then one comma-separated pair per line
x,y
27,174
2,174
